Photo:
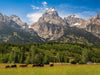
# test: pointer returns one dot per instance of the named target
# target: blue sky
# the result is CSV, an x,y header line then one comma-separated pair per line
x,y
30,10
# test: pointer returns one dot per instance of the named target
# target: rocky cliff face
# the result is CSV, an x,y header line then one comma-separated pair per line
x,y
51,16
74,21
10,34
50,25
94,25
18,21
94,20
13,21
48,31
93,28
1,17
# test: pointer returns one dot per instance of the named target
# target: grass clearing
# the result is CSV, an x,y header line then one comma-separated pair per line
x,y
58,70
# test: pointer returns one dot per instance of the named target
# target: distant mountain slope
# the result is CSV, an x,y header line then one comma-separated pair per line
x,y
51,16
94,25
76,35
49,31
74,21
13,21
52,27
17,20
13,35
93,28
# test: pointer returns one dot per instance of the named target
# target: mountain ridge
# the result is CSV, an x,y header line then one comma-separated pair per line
x,y
9,34
14,21
51,27
51,31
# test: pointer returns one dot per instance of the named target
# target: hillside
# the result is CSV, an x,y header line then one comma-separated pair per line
x,y
76,35
13,35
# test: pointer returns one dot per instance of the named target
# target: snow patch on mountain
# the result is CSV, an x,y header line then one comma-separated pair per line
x,y
77,24
51,10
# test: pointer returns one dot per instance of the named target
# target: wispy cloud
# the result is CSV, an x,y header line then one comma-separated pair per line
x,y
34,7
44,3
82,12
86,14
64,10
33,17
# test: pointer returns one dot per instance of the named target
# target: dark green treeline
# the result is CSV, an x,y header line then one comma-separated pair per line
x,y
43,53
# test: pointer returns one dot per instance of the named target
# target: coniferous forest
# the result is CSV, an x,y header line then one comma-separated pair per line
x,y
44,53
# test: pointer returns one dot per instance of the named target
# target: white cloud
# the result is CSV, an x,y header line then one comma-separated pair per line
x,y
64,10
34,7
33,17
63,14
81,12
44,3
86,14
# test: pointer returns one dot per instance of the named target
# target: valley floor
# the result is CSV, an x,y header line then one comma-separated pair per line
x,y
57,70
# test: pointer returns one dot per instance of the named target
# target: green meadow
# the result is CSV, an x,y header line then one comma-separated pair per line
x,y
58,70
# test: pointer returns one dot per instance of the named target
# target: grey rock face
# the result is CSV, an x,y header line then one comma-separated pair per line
x,y
13,20
93,28
18,21
50,26
48,31
1,17
73,21
94,25
94,20
91,25
51,16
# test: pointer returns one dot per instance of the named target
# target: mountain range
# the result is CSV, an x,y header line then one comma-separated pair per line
x,y
51,27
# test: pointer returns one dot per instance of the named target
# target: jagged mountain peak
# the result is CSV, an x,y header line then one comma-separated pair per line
x,y
1,17
94,25
51,16
73,20
50,25
94,20
13,20
51,12
73,15
98,16
51,9
18,21
14,17
1,14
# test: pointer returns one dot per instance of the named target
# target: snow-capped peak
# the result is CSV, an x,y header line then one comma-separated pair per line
x,y
73,15
51,10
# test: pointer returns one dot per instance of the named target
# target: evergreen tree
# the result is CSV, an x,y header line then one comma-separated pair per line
x,y
84,57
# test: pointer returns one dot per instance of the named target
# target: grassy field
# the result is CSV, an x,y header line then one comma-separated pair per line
x,y
58,70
